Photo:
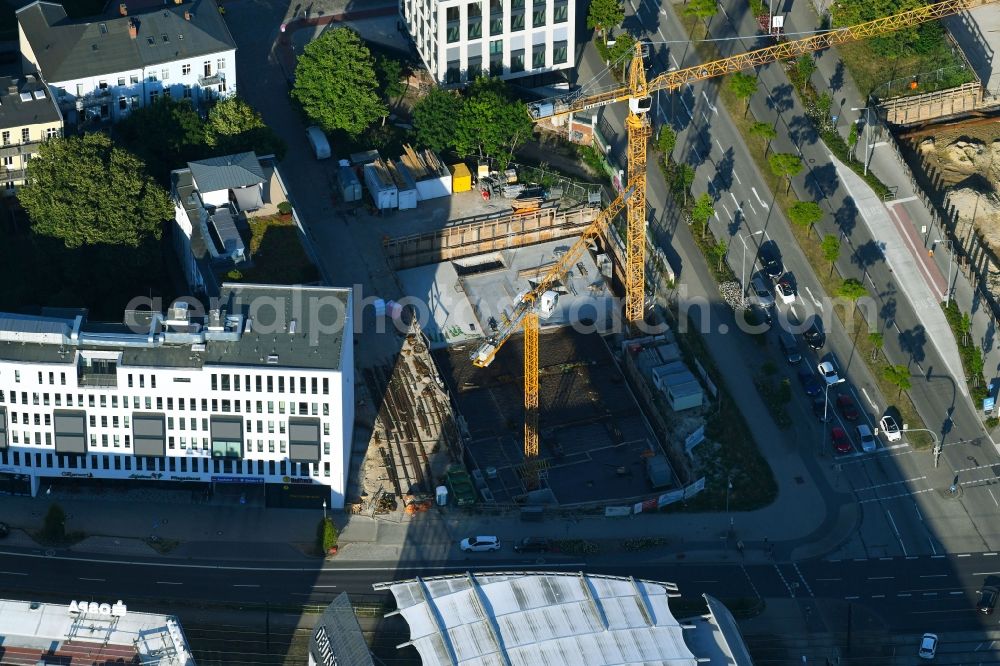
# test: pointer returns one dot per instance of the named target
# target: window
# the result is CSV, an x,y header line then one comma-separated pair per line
x,y
103,85
559,53
221,64
133,79
496,17
452,75
25,134
538,13
8,160
496,57
474,21
538,56
52,132
151,78
517,60
560,11
6,137
186,68
121,80
516,15
452,14
164,74
153,96
207,67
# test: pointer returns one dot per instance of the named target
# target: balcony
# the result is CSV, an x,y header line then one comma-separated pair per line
x,y
213,80
97,373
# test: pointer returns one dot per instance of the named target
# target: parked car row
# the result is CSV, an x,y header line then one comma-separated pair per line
x,y
486,544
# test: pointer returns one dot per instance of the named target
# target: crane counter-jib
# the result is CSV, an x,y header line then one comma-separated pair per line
x,y
558,106
526,302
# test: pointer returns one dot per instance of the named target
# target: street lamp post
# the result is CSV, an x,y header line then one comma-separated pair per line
x,y
951,259
729,486
826,409
937,441
743,272
324,510
868,126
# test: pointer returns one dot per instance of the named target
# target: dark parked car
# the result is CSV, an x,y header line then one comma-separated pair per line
x,y
770,259
533,545
820,410
987,599
790,347
810,382
841,442
4,530
814,335
847,408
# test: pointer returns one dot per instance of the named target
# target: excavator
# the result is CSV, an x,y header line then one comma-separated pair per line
x,y
540,301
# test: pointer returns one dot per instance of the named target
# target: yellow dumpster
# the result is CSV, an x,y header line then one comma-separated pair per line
x,y
461,179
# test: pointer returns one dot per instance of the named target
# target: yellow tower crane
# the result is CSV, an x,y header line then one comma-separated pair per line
x,y
540,300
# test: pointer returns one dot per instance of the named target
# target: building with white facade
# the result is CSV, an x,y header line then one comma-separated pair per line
x,y
459,40
28,116
256,388
103,67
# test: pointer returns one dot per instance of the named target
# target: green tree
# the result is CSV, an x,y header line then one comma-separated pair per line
x,y
719,251
234,126
326,535
851,289
764,131
743,86
785,165
898,376
852,140
804,67
823,104
621,52
87,191
683,179
702,211
831,250
805,213
166,135
491,123
390,77
666,140
336,84
965,327
877,341
434,118
701,9
604,15
54,524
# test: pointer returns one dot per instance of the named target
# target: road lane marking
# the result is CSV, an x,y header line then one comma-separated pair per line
x,y
989,554
245,585
705,116
324,586
823,579
930,594
167,582
813,298
727,211
878,596
96,580
990,491
880,499
754,190
852,598
964,555
737,177
869,399
986,573
13,573
710,105
959,592
890,483
917,509
803,579
881,577
935,576
885,559
704,581
904,594
894,529
935,556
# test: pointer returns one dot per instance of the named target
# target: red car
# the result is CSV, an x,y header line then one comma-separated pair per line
x,y
841,442
848,409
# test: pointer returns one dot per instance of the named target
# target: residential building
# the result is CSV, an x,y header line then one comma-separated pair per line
x,y
254,391
101,68
212,197
458,40
90,632
28,116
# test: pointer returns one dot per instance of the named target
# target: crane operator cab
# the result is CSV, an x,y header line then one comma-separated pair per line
x,y
640,105
547,303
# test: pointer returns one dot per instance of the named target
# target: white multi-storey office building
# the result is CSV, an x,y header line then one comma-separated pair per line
x,y
101,68
258,390
459,40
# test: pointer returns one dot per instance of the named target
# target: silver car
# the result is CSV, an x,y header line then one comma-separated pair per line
x,y
762,293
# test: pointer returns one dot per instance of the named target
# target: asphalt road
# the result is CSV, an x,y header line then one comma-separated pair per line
x,y
904,512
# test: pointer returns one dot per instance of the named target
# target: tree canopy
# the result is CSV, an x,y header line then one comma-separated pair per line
x,y
87,191
851,289
920,39
666,140
390,75
166,135
831,249
805,66
683,179
234,127
434,118
898,376
336,83
743,86
785,165
702,211
604,15
805,213
491,123
702,9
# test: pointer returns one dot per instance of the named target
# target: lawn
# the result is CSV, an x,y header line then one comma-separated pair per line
x,y
889,77
39,271
277,254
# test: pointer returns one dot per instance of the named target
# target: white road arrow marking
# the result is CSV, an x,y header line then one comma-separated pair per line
x,y
710,105
754,190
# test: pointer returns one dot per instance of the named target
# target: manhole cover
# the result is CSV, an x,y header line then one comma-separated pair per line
x,y
799,480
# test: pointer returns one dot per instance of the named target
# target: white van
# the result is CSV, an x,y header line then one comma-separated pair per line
x,y
317,139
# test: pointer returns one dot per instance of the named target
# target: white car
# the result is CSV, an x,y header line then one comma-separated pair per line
x,y
828,372
890,429
785,289
868,443
480,544
928,646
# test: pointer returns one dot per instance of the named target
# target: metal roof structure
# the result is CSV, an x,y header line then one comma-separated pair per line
x,y
68,49
540,619
228,172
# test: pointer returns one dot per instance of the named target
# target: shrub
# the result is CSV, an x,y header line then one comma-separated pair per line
x,y
285,208
54,527
326,535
